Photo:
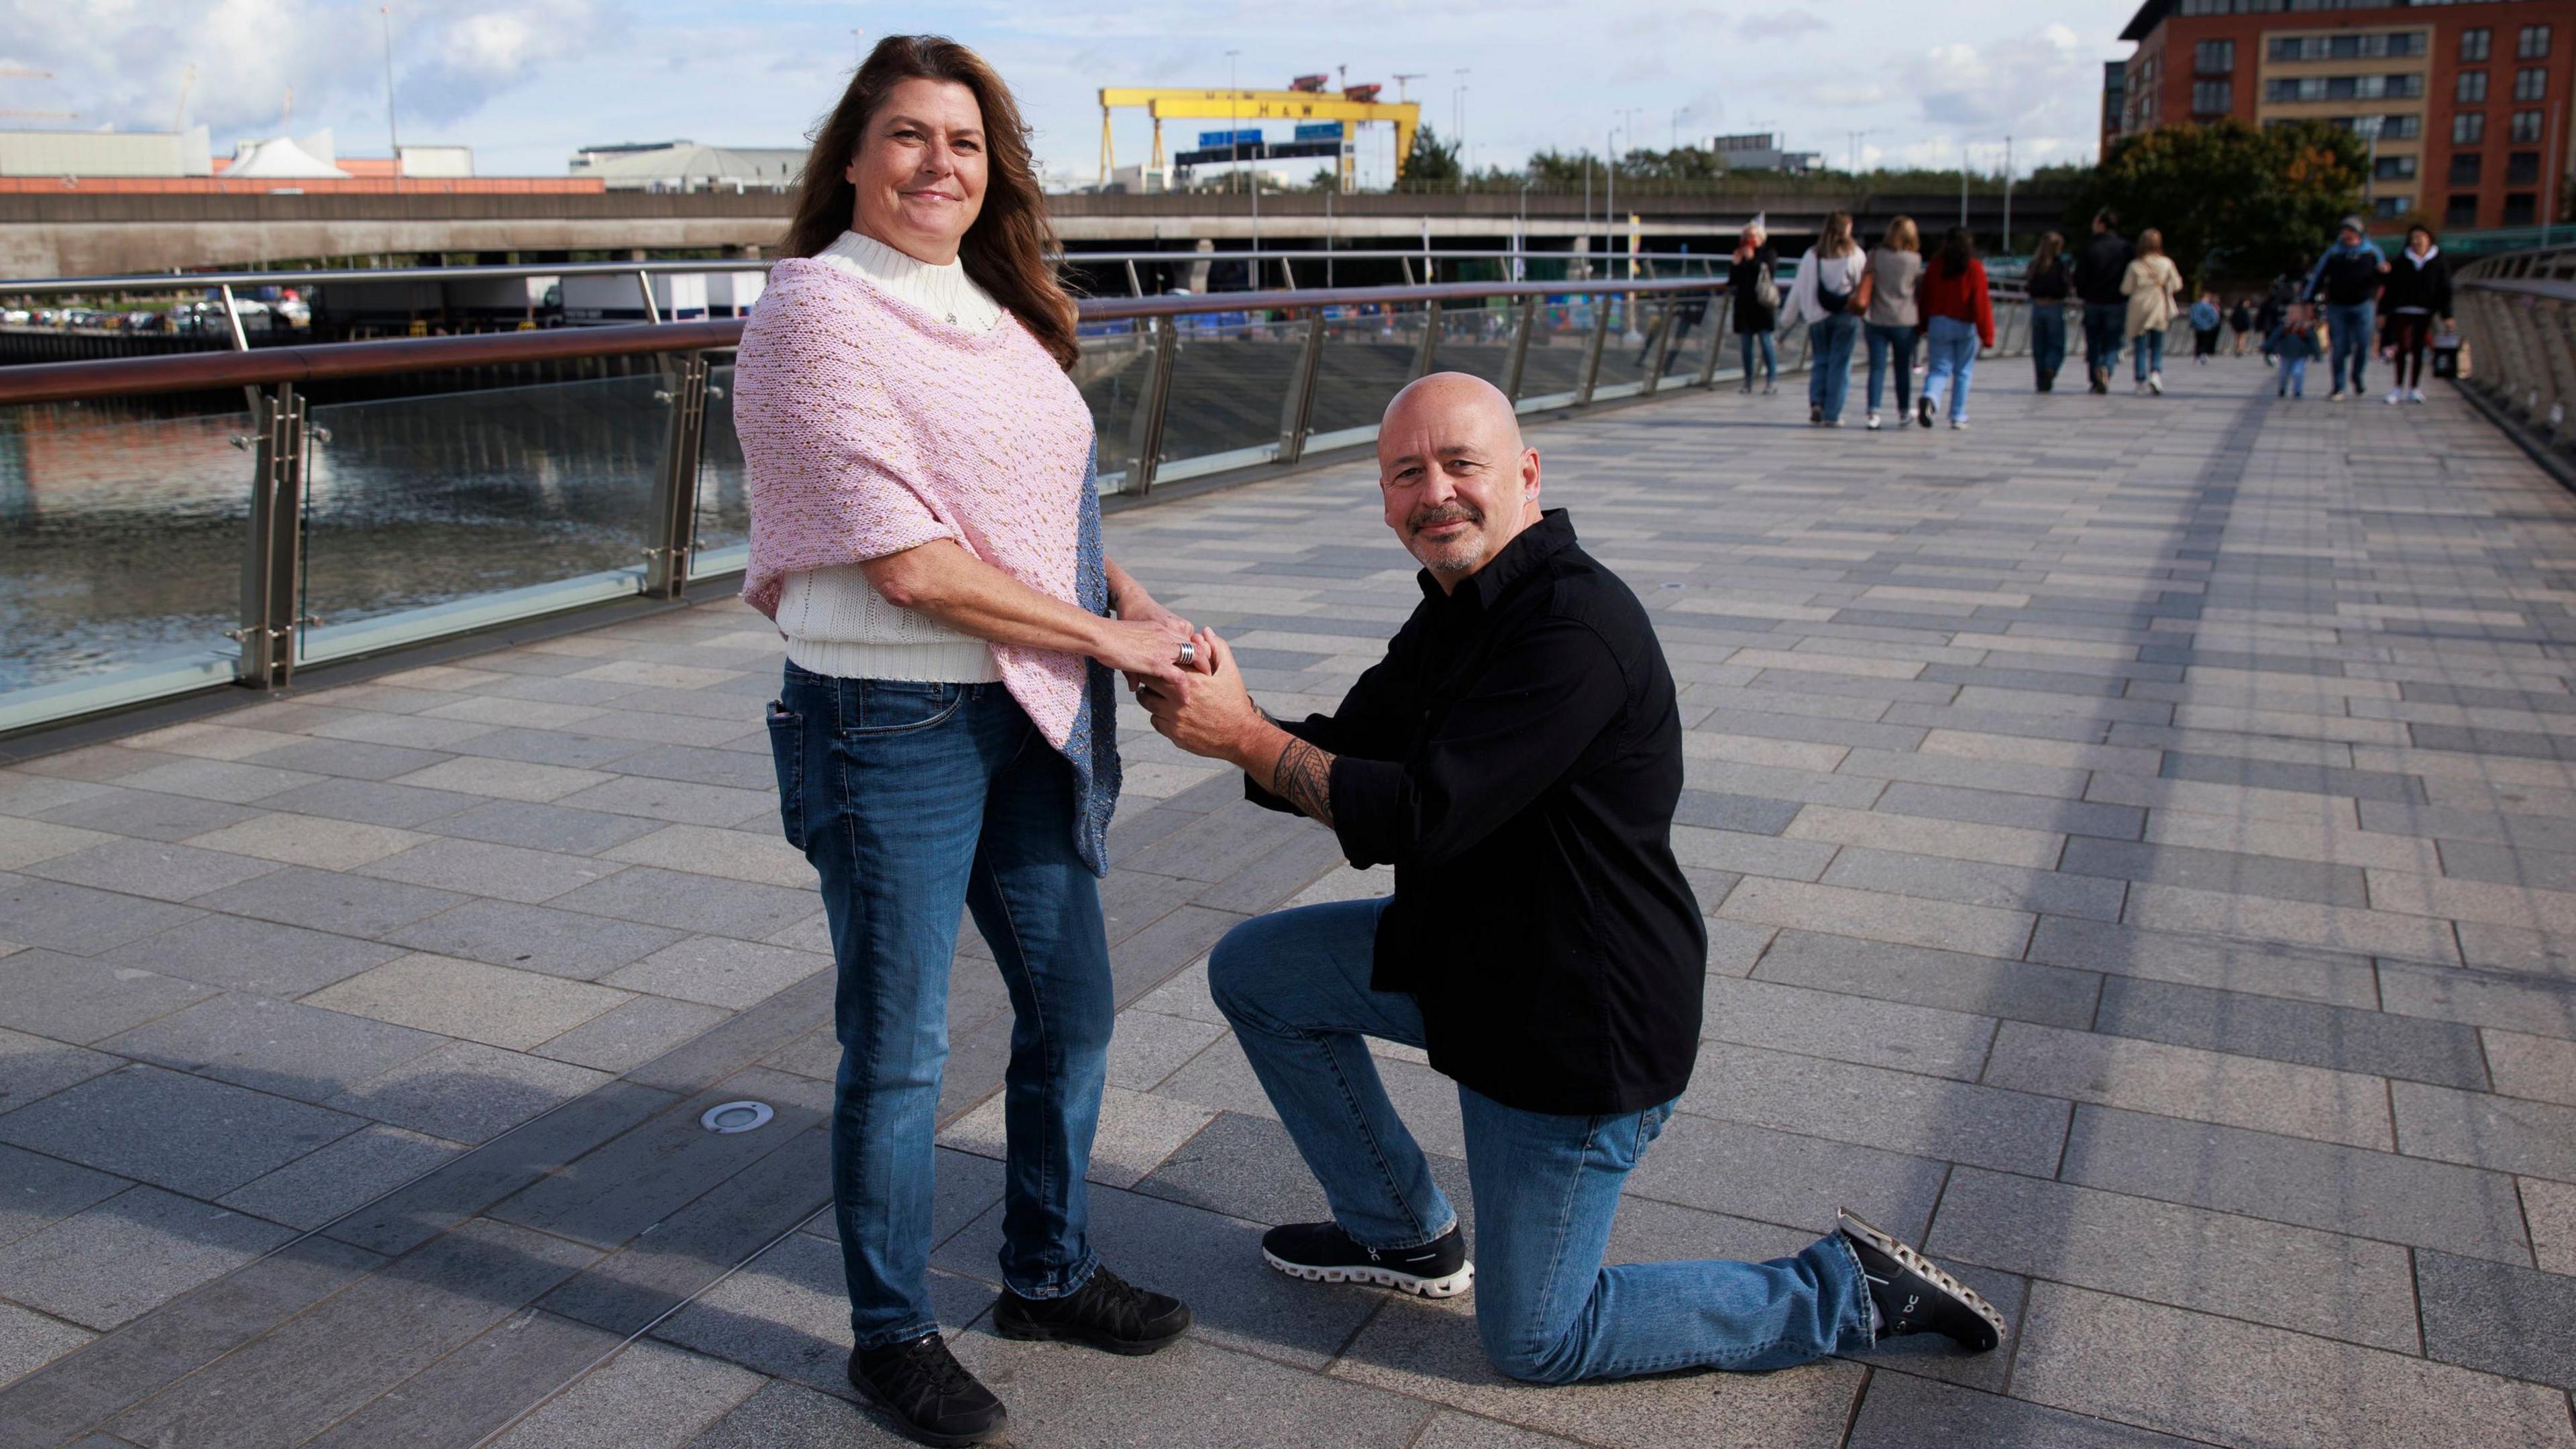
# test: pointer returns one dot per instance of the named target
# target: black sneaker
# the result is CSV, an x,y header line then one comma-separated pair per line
x,y
1915,1296
1923,411
1323,1253
1106,1312
1815,412
929,1393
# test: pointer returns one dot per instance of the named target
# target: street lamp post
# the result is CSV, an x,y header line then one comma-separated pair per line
x,y
2369,126
1233,123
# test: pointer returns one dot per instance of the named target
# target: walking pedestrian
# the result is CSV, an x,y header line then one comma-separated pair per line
x,y
2240,321
943,733
2099,269
1890,323
2153,286
2294,345
1829,295
1753,281
1958,318
2417,293
2205,323
2347,280
2268,318
2049,284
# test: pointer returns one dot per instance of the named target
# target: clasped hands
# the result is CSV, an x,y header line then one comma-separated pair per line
x,y
1204,707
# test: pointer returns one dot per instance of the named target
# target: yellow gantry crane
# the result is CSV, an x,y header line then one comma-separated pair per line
x,y
1356,106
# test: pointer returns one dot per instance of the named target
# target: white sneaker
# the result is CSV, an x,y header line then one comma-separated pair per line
x,y
2396,395
2156,383
2335,396
1958,425
2414,394
1873,422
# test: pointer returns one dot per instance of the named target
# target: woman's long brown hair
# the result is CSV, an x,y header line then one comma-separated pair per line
x,y
1008,251
1837,240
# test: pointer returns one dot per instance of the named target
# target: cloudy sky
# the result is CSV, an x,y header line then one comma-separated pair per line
x,y
526,82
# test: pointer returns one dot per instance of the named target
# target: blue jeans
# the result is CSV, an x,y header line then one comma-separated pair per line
x,y
1295,984
2353,328
2047,341
1770,358
1883,340
1952,359
1829,362
2294,376
2150,354
2103,324
914,800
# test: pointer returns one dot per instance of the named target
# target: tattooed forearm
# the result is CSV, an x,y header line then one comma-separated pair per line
x,y
1303,777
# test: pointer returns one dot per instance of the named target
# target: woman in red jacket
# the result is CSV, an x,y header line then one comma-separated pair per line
x,y
1959,317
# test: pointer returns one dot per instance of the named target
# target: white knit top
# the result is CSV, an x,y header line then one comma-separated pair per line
x,y
836,623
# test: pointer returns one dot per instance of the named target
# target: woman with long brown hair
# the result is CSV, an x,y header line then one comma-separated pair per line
x,y
2049,284
1831,291
925,530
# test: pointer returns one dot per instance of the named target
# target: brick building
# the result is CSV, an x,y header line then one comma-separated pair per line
x,y
2471,99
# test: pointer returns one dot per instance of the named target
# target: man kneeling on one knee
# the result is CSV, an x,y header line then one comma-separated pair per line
x,y
1516,756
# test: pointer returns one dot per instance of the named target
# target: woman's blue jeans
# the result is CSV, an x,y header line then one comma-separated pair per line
x,y
2047,341
2147,352
1885,339
1295,984
1952,350
914,800
1829,362
1770,357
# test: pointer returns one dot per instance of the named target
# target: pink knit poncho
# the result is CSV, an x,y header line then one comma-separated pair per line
x,y
869,427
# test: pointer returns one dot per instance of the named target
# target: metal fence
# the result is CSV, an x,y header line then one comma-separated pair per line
x,y
178,522
2515,314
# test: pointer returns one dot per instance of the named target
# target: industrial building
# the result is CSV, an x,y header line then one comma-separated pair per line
x,y
2466,104
688,166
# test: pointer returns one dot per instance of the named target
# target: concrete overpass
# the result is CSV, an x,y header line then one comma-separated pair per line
x,y
86,235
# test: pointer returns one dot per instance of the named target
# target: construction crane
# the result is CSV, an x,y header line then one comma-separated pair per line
x,y
20,72
1306,100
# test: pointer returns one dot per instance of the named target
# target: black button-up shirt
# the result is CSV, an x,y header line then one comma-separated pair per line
x,y
1517,757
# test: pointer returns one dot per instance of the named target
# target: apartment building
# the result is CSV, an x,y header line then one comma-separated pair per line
x,y
2469,101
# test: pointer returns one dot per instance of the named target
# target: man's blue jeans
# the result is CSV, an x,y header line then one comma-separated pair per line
x,y
1829,362
914,800
2103,324
1950,360
2047,341
1885,339
1770,357
1295,984
2353,328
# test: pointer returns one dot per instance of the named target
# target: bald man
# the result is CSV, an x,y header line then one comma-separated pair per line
x,y
1517,758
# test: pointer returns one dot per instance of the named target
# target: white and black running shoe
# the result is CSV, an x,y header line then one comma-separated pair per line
x,y
1914,1295
1323,1253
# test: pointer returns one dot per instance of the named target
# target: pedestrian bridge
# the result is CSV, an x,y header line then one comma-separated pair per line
x,y
2137,836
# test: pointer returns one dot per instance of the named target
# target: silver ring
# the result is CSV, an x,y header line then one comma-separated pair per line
x,y
1189,654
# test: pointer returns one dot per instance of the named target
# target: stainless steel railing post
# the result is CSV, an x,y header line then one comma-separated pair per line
x,y
1429,351
1720,304
1297,410
1659,350
1524,323
1592,347
272,566
674,516
1145,434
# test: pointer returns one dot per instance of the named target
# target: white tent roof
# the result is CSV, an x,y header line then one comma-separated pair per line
x,y
279,160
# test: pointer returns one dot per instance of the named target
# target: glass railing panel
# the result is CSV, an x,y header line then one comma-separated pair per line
x,y
1693,323
1560,330
123,526
1228,380
724,511
1476,338
1368,356
430,515
1630,348
1116,366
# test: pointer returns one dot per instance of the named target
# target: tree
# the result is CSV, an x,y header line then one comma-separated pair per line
x,y
1432,160
2233,202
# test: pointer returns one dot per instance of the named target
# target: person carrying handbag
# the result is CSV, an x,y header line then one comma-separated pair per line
x,y
1754,282
1831,291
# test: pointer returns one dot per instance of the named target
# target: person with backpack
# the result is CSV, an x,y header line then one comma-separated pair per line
x,y
2151,285
2417,291
1959,318
2099,270
2347,280
2049,284
1832,289
1754,283
2205,323
1890,322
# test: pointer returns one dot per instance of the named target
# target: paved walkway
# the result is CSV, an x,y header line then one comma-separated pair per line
x,y
2138,837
